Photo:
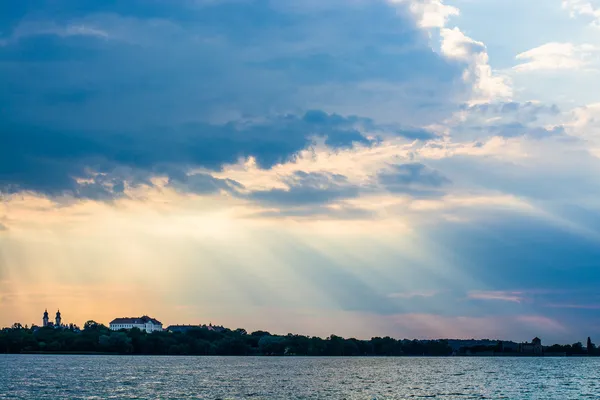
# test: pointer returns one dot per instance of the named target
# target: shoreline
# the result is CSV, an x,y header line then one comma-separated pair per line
x,y
293,356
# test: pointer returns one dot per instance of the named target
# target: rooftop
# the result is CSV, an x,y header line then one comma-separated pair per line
x,y
135,320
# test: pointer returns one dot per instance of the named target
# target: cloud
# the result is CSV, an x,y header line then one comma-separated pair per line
x,y
307,189
411,294
414,179
557,56
455,45
217,61
480,122
515,297
202,184
486,85
575,306
584,122
206,85
519,112
430,13
42,28
520,166
509,130
584,8
55,162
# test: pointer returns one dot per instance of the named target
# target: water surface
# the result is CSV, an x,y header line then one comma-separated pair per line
x,y
124,377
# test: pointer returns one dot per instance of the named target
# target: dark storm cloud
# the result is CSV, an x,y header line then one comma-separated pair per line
x,y
90,87
49,162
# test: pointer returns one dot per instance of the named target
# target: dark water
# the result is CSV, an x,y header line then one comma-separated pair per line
x,y
120,377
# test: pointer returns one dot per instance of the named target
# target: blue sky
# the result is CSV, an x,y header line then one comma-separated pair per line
x,y
414,168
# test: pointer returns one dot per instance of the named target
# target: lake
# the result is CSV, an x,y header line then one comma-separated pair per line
x,y
145,377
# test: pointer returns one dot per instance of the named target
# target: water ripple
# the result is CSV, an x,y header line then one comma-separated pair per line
x,y
262,378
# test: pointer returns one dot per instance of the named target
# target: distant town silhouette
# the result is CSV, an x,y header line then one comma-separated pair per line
x,y
146,336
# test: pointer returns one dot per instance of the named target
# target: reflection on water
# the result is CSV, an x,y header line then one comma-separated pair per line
x,y
123,377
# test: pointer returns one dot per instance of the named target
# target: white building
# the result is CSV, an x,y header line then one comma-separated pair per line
x,y
144,323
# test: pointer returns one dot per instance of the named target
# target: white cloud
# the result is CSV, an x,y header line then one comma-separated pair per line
x,y
82,30
585,119
486,85
584,123
585,8
557,56
37,28
430,13
515,297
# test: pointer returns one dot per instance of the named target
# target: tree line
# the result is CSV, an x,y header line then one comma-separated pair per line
x,y
97,338
575,349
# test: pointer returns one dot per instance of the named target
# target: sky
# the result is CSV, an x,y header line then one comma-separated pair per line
x,y
412,168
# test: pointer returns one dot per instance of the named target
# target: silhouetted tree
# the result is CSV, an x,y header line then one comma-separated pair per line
x,y
577,348
591,348
91,324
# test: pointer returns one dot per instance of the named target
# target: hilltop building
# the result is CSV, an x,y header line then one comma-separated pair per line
x,y
535,347
144,323
57,320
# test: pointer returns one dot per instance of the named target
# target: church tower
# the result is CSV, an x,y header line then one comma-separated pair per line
x,y
45,319
58,319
